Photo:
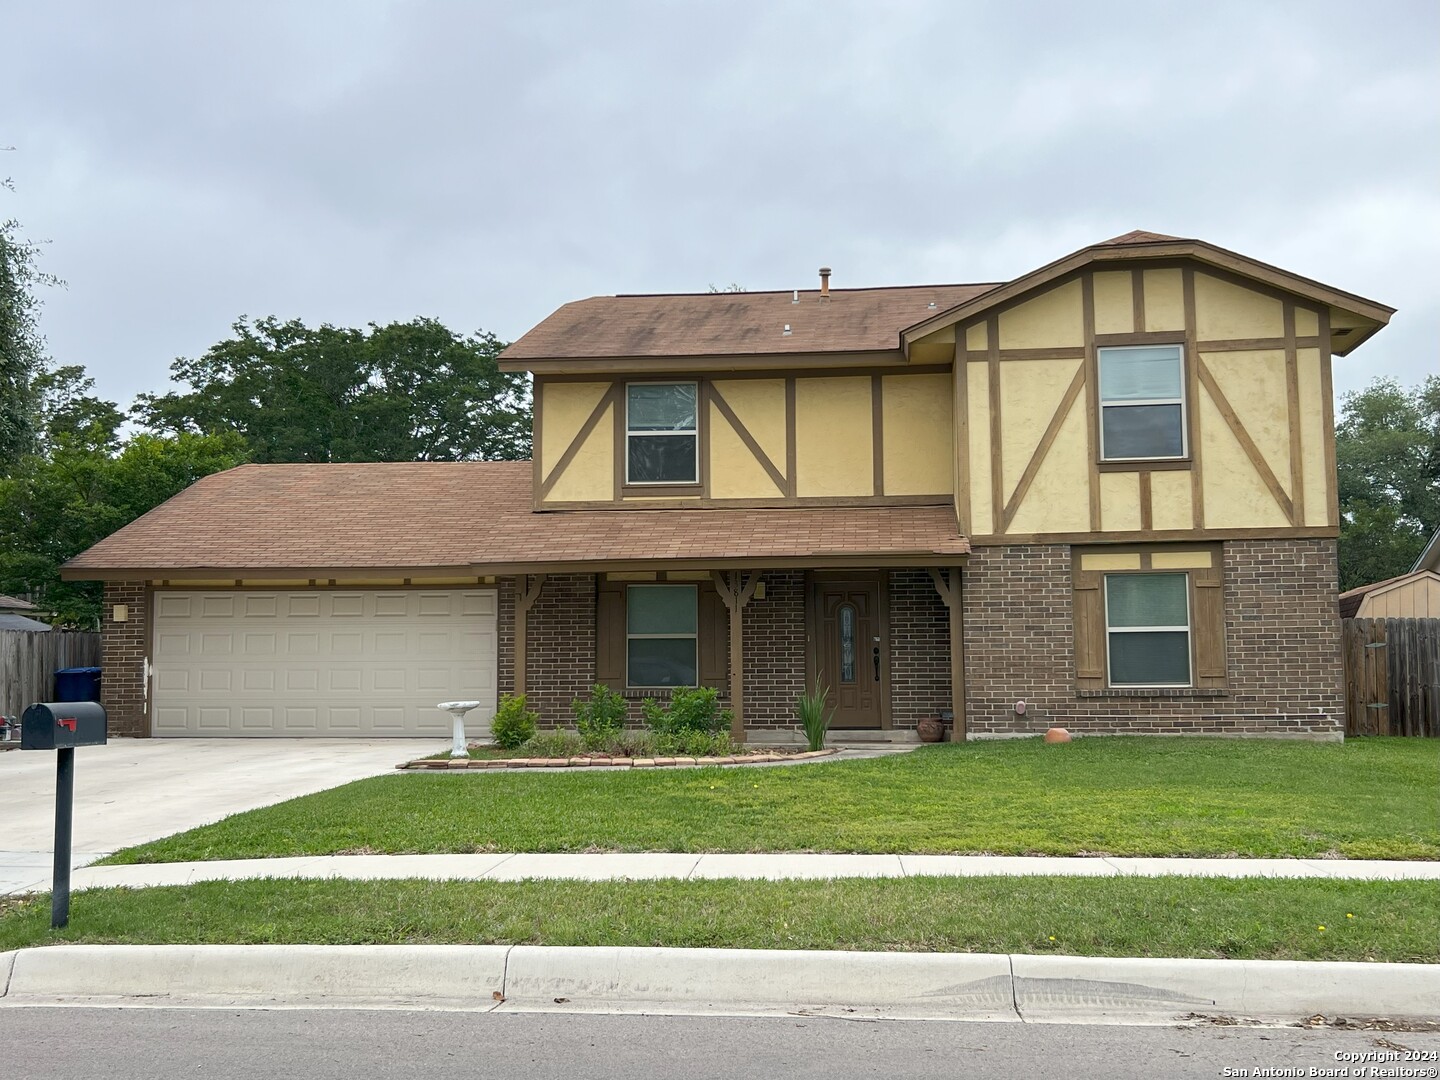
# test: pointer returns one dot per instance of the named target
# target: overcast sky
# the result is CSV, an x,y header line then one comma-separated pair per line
x,y
484,163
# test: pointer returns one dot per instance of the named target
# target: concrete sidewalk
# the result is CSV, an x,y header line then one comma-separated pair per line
x,y
692,867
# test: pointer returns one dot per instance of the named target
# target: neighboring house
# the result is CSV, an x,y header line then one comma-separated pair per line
x,y
1105,489
1429,558
13,615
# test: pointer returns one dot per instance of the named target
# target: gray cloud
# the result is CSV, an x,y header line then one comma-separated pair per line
x,y
485,163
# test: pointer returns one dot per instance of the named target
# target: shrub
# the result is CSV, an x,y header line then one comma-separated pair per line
x,y
513,724
632,744
691,710
552,744
697,744
815,714
600,719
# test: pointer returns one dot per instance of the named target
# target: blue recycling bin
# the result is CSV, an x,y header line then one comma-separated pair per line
x,y
77,684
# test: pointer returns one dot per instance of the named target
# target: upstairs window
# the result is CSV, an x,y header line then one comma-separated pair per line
x,y
1142,403
661,433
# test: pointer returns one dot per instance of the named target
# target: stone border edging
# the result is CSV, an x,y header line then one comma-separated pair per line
x,y
605,762
970,986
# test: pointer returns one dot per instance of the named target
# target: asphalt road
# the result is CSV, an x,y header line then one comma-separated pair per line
x,y
128,1044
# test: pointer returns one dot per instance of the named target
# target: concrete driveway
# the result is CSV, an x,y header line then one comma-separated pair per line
x,y
133,790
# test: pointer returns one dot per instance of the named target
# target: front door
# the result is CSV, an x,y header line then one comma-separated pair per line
x,y
847,650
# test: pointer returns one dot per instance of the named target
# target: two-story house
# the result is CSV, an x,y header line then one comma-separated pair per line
x,y
1102,494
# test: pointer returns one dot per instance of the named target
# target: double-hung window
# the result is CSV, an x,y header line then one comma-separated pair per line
x,y
1147,629
1142,403
661,635
661,433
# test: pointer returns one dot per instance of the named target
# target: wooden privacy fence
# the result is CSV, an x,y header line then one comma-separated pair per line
x,y
1392,676
30,658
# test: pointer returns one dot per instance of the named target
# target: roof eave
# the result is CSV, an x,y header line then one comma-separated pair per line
x,y
703,362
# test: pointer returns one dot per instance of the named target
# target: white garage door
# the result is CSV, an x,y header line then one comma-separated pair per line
x,y
321,662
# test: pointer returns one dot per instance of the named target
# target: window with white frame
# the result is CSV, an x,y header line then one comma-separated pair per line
x,y
1142,403
661,433
1147,629
661,635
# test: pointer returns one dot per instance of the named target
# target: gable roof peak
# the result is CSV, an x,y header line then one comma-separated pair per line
x,y
1138,236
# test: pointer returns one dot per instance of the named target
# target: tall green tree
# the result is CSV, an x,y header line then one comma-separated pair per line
x,y
412,391
1387,452
22,349
82,483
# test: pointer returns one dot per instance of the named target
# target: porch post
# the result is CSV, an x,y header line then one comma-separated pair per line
x,y
525,597
951,594
736,593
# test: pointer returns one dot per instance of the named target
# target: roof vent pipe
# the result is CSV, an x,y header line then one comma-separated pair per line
x,y
824,283
796,298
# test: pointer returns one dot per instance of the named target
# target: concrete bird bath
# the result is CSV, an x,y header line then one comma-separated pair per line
x,y
457,711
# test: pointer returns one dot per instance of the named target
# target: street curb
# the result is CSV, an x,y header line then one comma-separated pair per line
x,y
969,986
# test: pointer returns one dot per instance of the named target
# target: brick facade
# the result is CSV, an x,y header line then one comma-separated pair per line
x,y
123,647
919,649
1282,634
775,651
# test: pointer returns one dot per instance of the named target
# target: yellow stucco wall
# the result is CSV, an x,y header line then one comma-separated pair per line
x,y
1223,310
1164,301
1235,496
918,441
1030,392
981,518
590,476
1119,502
759,404
1050,319
564,408
1114,302
735,472
833,437
1307,322
1254,384
1312,437
1170,501
1056,501
976,338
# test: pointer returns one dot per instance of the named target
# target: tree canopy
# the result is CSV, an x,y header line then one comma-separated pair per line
x,y
407,391
1387,451
22,349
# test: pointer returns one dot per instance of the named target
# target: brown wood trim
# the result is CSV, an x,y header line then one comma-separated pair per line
x,y
1052,431
588,367
1142,465
941,586
1192,399
1257,459
791,453
1154,337
723,407
1166,536
1091,367
1257,344
537,438
607,400
781,370
1327,405
1292,405
1059,352
997,501
887,668
877,433
779,502
1137,300
1147,512
621,452
629,491
703,394
960,399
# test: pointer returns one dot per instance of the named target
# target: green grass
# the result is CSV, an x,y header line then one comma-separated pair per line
x,y
1173,916
1371,798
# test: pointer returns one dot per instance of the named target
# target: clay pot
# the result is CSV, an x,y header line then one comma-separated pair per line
x,y
1057,735
930,729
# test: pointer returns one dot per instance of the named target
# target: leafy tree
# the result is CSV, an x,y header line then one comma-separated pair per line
x,y
84,486
411,391
22,349
1387,451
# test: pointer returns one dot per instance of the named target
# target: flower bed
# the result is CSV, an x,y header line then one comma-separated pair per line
x,y
495,760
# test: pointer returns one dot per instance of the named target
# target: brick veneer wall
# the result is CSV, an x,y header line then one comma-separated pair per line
x,y
123,647
919,649
559,646
1282,633
775,651
505,591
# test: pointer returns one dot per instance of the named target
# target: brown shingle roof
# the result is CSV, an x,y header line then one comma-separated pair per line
x,y
470,515
736,324
1139,236
14,603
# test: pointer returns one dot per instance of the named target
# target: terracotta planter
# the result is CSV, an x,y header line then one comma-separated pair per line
x,y
930,729
1057,735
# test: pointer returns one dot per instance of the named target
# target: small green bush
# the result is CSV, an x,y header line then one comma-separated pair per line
x,y
600,719
632,744
696,744
691,710
513,724
552,744
815,714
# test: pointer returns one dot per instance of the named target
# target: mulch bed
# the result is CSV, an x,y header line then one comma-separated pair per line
x,y
603,761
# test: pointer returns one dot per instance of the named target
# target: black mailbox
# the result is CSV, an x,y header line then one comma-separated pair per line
x,y
59,725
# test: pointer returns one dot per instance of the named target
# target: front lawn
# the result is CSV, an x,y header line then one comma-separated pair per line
x,y
1367,798
1204,917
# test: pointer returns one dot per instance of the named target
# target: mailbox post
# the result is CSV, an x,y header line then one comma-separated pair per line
x,y
62,726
